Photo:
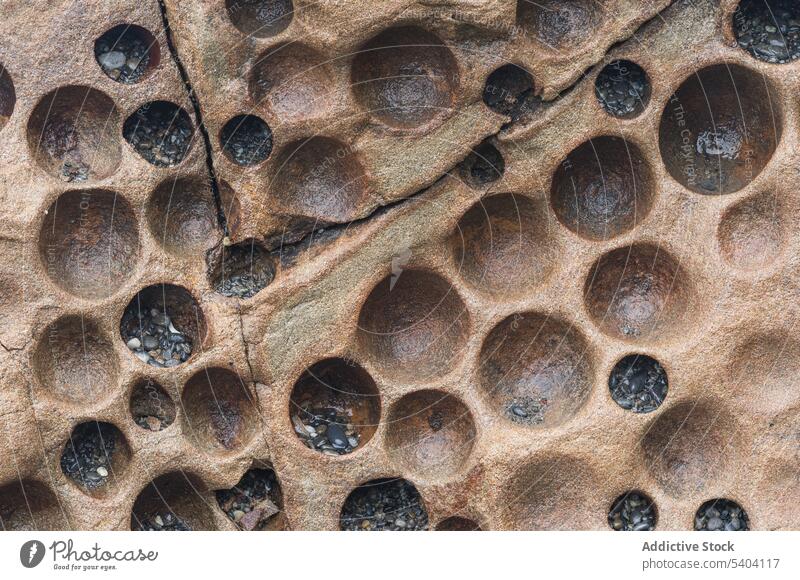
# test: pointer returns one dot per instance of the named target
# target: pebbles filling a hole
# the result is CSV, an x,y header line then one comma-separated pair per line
x,y
246,140
632,512
622,88
162,325
260,18
94,455
151,407
721,515
384,505
484,165
335,407
126,53
255,503
160,132
768,29
241,270
509,91
638,383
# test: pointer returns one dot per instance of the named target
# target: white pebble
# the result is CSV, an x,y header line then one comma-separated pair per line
x,y
134,343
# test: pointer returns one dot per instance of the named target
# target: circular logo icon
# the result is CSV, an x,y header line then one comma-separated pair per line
x,y
31,553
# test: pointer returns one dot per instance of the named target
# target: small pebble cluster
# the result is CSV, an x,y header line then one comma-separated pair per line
x,y
245,269
160,132
246,140
163,522
152,408
325,429
254,502
622,88
384,505
721,515
638,383
88,454
153,338
769,29
122,54
632,512
528,410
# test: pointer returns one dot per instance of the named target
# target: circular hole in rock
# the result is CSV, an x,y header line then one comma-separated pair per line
x,y
484,165
561,25
260,18
75,360
603,188
751,234
8,96
720,129
623,89
246,140
163,325
405,77
95,457
220,414
241,270
335,407
174,502
320,178
503,246
536,369
293,81
160,132
29,506
256,502
430,433
72,134
768,29
384,505
558,493
638,383
414,324
127,53
721,515
638,292
89,242
633,511
689,445
509,91
151,407
182,216
457,524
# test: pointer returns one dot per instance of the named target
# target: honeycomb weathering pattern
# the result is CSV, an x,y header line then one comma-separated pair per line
x,y
471,319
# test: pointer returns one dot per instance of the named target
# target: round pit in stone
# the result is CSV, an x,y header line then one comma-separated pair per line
x,y
75,361
321,179
720,128
89,242
182,216
163,325
28,505
536,370
638,383
623,89
173,502
768,29
752,233
509,91
246,140
483,166
260,18
255,503
160,132
561,25
384,505
414,324
127,53
8,96
241,270
293,81
72,134
150,406
503,245
457,524
430,434
95,457
638,293
406,78
603,188
219,411
721,515
633,511
335,407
